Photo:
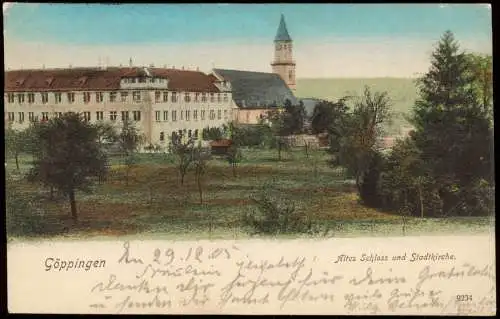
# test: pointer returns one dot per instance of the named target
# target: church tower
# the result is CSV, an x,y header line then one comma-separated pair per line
x,y
283,63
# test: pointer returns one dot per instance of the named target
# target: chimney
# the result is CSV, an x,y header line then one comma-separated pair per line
x,y
130,62
164,66
197,69
70,66
173,67
183,67
43,66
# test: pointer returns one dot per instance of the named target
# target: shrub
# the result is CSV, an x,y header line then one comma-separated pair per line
x,y
275,215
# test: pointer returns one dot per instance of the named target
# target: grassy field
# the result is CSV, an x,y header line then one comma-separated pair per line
x,y
155,205
402,91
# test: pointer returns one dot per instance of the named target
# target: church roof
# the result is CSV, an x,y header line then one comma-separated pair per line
x,y
257,89
282,34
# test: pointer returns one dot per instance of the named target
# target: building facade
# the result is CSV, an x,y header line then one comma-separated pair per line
x,y
159,101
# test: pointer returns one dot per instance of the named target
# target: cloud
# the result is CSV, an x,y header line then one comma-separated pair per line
x,y
329,58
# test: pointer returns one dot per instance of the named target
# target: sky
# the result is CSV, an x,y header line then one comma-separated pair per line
x,y
330,40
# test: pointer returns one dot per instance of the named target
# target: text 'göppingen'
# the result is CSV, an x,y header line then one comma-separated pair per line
x,y
413,257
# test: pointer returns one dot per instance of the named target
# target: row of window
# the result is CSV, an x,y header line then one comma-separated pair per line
x,y
113,115
144,80
160,96
186,115
190,133
136,115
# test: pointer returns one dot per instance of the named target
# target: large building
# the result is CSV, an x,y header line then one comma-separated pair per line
x,y
160,101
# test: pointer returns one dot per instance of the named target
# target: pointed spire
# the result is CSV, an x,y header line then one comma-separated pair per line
x,y
282,34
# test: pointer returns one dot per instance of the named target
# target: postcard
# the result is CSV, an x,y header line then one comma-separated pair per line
x,y
249,159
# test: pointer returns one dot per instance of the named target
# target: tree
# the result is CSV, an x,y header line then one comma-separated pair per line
x,y
200,159
233,156
293,118
481,68
183,152
15,142
328,116
69,156
453,130
129,141
212,133
360,132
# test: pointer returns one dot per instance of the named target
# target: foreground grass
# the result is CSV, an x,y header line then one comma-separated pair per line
x,y
153,203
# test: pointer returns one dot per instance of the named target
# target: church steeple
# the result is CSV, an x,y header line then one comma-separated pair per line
x,y
282,34
283,63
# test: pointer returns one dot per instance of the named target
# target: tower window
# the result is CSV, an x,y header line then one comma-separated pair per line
x,y
290,75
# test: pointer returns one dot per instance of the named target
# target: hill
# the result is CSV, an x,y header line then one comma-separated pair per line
x,y
402,91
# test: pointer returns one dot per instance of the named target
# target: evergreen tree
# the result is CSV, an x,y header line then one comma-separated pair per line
x,y
453,130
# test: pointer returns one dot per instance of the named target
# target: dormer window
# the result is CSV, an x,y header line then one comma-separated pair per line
x,y
20,82
82,80
49,81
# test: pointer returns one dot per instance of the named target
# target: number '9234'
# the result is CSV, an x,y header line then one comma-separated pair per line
x,y
464,298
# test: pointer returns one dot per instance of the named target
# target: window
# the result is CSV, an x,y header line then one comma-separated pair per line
x,y
157,116
59,114
31,98
86,97
219,98
187,115
157,96
165,116
204,97
20,98
132,80
99,115
45,116
31,116
225,114
187,97
142,80
174,116
136,115
112,116
58,97
10,97
174,97
86,116
165,96
197,97
162,136
136,96
212,115
195,115
219,115
196,134
202,114
290,75
182,115
124,96
112,97
45,98
225,97
190,133
71,97
212,98
124,115
99,97
21,117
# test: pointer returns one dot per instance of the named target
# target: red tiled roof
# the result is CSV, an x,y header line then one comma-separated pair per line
x,y
221,143
98,79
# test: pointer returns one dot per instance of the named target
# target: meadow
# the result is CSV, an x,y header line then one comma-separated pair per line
x,y
402,91
153,204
